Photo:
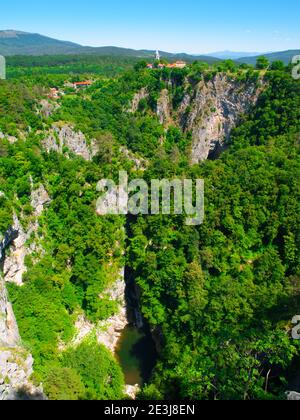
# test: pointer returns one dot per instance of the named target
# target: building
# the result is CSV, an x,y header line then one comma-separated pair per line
x,y
78,85
177,65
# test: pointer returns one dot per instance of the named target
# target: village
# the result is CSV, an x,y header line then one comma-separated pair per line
x,y
159,65
56,93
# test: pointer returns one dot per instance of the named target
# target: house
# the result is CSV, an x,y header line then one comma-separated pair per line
x,y
78,85
177,65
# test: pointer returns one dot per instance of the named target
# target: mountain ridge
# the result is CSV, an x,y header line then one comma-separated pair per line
x,y
14,42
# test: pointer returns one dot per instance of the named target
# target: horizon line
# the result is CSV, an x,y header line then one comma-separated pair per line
x,y
91,45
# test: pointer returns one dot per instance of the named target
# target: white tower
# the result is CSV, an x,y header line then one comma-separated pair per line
x,y
157,55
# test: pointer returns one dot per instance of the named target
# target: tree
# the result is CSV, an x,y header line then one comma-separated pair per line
x,y
63,384
141,65
278,65
262,63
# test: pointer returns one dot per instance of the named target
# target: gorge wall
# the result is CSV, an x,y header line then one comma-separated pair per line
x,y
16,364
209,111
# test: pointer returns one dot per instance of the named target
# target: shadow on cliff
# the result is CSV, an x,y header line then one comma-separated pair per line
x,y
23,394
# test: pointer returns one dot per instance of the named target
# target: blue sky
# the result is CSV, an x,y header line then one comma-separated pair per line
x,y
193,26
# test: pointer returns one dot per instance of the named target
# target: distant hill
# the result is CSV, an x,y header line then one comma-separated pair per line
x,y
22,43
285,56
233,55
27,44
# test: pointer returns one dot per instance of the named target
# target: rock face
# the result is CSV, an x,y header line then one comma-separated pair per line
x,y
47,108
65,137
132,391
15,363
293,396
109,332
14,264
142,94
15,372
39,199
9,333
163,108
209,110
11,139
214,110
9,237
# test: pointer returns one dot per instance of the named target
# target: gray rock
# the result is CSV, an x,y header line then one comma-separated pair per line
x,y
14,264
11,139
9,333
39,199
47,108
15,363
216,109
142,94
65,136
163,108
293,396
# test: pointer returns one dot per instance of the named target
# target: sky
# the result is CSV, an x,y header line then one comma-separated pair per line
x,y
192,26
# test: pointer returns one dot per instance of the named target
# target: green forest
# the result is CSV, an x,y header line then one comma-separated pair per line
x,y
218,298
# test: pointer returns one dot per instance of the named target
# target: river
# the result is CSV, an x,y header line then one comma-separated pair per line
x,y
136,354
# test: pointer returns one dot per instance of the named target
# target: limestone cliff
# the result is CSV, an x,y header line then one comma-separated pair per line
x,y
14,264
163,108
64,136
142,94
16,364
213,110
208,110
107,332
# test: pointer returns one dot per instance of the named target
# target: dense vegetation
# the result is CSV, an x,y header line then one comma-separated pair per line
x,y
220,296
81,259
20,66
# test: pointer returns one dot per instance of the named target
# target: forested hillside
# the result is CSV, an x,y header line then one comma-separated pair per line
x,y
219,298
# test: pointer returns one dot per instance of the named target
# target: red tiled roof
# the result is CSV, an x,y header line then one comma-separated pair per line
x,y
83,83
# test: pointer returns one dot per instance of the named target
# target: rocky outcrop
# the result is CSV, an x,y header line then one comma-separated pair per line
x,y
9,333
15,372
39,199
107,332
15,362
10,235
163,108
142,94
132,391
213,110
65,136
47,108
11,139
14,263
293,396
110,331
